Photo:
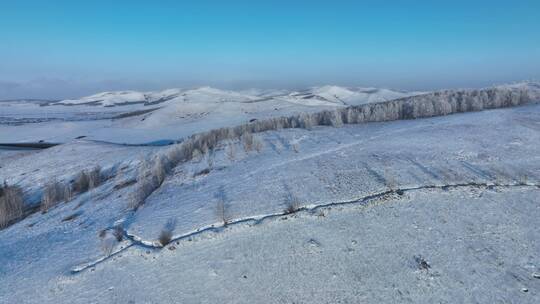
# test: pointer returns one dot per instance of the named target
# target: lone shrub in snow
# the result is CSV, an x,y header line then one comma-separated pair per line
x,y
296,147
257,144
251,142
118,233
142,191
160,168
151,175
221,207
220,211
94,177
108,242
292,203
11,204
82,182
110,238
87,180
165,236
231,151
54,193
247,141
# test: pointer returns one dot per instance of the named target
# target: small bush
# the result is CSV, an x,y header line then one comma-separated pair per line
x,y
210,159
257,144
54,193
251,142
124,183
390,180
82,182
335,119
278,146
94,177
292,203
296,147
306,121
202,172
221,207
110,238
102,233
220,211
118,233
523,180
108,242
68,193
144,188
71,217
160,168
11,204
165,236
175,154
230,151
151,175
197,154
247,141
421,262
87,180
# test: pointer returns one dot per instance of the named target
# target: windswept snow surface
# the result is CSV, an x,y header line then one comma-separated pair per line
x,y
172,114
463,226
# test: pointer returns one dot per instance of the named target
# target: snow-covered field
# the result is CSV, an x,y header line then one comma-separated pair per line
x,y
436,210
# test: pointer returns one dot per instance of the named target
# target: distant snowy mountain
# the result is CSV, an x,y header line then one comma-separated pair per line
x,y
346,96
207,107
173,113
29,101
109,99
316,96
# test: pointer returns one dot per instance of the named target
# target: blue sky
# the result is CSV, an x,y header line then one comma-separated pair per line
x,y
58,49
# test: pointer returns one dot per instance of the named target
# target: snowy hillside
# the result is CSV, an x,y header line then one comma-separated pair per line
x,y
109,99
335,95
276,199
141,117
325,95
121,98
427,210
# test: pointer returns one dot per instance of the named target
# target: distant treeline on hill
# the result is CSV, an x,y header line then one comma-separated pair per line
x,y
420,106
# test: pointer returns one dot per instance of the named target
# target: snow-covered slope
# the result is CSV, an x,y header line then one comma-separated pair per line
x,y
428,210
325,95
335,95
109,99
170,114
